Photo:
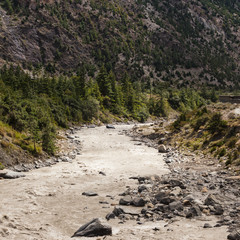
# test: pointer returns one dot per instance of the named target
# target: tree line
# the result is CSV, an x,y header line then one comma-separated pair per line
x,y
39,104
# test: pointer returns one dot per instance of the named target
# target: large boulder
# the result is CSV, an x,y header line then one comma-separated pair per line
x,y
234,236
94,228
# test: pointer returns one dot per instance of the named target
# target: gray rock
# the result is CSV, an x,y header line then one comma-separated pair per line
x,y
91,126
161,195
110,126
176,205
207,225
214,204
89,194
211,200
127,200
94,228
218,210
118,211
138,202
194,211
12,175
234,236
162,148
142,188
167,200
110,216
70,137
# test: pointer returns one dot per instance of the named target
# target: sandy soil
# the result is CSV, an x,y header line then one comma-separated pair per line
x,y
48,203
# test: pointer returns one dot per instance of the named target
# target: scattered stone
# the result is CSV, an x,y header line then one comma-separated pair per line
x,y
94,228
70,137
102,173
162,148
127,200
103,202
142,188
110,216
138,202
110,126
207,225
176,205
91,126
118,211
89,194
211,200
194,211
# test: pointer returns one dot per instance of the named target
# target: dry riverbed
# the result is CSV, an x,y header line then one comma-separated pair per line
x,y
48,202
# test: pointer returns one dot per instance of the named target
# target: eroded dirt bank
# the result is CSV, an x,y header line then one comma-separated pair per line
x,y
48,203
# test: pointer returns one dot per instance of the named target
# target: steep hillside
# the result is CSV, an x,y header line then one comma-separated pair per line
x,y
178,42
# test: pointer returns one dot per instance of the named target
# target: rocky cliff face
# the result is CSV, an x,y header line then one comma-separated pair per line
x,y
179,42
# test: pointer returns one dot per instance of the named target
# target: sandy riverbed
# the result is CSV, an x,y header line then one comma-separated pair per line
x,y
48,203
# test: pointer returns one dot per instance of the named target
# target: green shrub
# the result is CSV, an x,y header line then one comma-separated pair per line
x,y
142,115
200,122
232,142
213,149
1,166
216,124
222,152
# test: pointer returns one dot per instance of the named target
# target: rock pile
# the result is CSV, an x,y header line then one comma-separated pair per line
x,y
180,194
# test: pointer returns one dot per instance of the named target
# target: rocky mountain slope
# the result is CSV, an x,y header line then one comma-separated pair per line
x,y
178,42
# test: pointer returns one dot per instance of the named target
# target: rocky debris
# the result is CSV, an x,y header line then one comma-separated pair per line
x,y
196,188
90,194
97,227
179,194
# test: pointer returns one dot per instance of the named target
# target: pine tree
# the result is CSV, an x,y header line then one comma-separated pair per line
x,y
104,82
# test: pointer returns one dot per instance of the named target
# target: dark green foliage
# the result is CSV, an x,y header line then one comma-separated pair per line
x,y
38,104
1,166
216,124
48,139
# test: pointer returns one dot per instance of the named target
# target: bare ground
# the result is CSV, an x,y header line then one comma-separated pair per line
x,y
48,203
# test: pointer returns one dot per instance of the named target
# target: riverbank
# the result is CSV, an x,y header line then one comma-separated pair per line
x,y
48,203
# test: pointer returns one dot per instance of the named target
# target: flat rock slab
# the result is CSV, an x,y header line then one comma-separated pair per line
x,y
131,210
11,175
94,228
89,194
110,126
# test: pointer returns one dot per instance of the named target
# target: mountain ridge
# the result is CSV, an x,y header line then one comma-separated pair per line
x,y
177,42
